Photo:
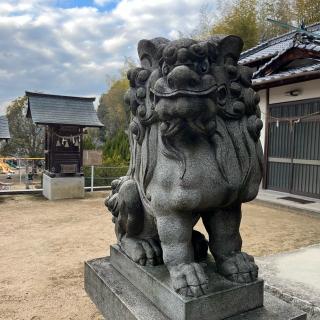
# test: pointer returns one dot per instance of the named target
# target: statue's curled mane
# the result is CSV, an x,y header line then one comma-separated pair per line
x,y
226,112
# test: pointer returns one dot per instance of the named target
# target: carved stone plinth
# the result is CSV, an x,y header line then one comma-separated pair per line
x,y
224,298
146,293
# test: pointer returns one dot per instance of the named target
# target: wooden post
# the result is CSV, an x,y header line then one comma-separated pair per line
x,y
266,142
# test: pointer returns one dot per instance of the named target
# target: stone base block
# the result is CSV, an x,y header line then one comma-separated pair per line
x,y
118,299
63,187
224,298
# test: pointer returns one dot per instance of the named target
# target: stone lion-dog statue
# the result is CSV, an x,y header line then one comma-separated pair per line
x,y
195,153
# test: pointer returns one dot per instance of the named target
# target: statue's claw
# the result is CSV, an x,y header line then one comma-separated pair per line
x,y
189,280
144,252
239,267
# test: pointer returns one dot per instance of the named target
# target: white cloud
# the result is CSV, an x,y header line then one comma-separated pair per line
x,y
73,51
115,43
101,2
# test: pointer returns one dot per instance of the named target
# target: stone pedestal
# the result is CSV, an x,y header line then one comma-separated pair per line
x,y
124,290
63,187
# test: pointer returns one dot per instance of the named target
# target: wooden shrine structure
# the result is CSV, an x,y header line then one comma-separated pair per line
x,y
64,118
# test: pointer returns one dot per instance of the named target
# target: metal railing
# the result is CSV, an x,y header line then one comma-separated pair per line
x,y
99,177
24,175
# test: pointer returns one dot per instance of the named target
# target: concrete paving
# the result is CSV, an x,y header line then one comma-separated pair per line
x,y
294,277
272,198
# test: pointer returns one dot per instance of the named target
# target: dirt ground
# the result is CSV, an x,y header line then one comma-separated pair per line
x,y
43,246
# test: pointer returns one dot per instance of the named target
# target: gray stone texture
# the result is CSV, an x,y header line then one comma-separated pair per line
x,y
273,309
63,187
118,299
195,154
223,299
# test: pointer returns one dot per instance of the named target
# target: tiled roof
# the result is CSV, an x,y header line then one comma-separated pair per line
x,y
287,74
56,109
4,128
303,46
267,52
273,46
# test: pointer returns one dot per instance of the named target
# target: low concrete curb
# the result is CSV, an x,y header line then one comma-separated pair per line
x,y
273,199
294,278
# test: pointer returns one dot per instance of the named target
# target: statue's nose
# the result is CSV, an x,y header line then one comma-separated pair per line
x,y
182,77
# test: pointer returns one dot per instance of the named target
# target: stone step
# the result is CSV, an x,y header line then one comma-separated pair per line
x,y
118,299
224,298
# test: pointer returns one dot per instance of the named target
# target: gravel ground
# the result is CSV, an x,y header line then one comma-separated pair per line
x,y
43,245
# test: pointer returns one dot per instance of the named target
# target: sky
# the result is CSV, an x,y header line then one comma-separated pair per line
x,y
72,47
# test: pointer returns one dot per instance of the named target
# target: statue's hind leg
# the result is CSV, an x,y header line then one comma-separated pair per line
x,y
225,245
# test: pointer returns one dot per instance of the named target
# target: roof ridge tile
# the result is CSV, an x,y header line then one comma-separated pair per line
x,y
278,39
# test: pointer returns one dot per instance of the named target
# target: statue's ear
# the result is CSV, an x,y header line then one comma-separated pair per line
x,y
230,48
150,52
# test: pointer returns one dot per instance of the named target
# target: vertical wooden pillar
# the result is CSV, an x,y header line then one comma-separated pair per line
x,y
266,142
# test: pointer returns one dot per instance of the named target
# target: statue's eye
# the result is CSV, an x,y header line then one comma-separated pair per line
x,y
165,69
204,66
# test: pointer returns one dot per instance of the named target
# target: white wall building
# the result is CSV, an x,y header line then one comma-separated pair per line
x,y
287,77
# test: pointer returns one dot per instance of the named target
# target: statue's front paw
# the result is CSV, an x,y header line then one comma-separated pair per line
x,y
239,267
189,280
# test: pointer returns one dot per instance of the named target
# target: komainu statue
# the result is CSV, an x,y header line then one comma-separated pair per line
x,y
195,153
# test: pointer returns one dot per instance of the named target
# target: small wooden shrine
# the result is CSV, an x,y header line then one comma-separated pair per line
x,y
64,118
4,129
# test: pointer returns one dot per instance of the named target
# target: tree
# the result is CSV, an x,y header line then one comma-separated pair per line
x,y
115,116
277,10
27,139
239,18
116,150
204,28
307,11
112,111
93,138
88,143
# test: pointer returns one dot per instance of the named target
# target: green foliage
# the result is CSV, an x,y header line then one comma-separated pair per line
x,y
240,19
277,10
307,11
93,139
247,18
116,150
27,139
112,111
103,176
88,143
115,116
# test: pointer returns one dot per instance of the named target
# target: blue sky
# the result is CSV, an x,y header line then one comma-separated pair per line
x,y
100,5
74,47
